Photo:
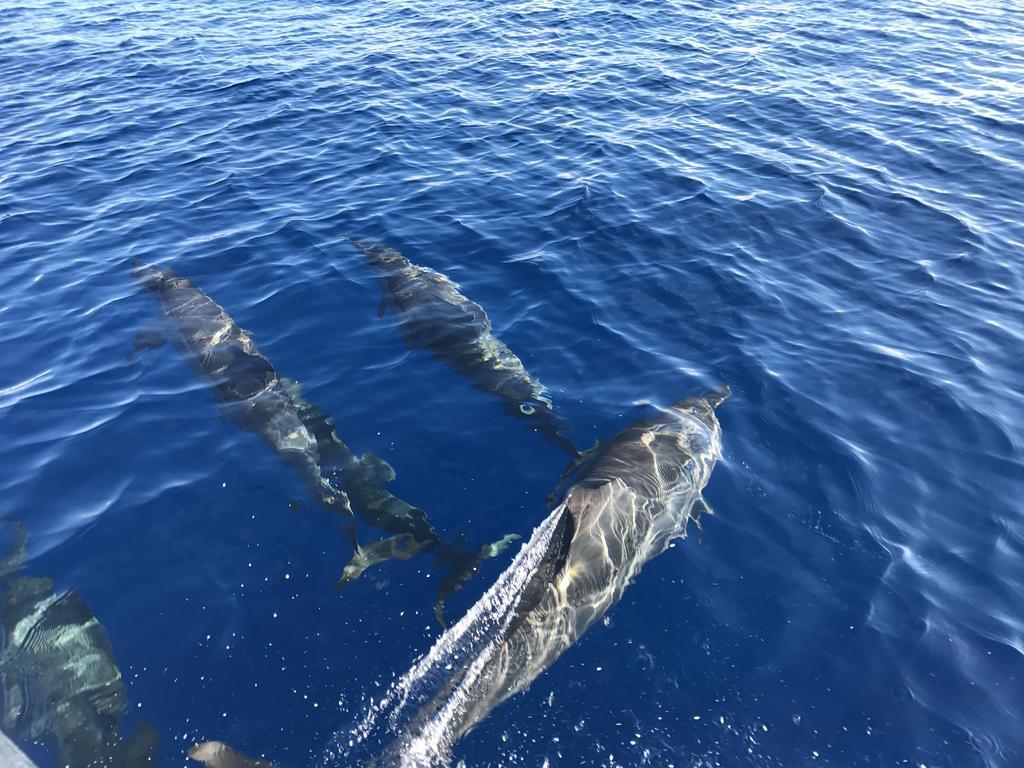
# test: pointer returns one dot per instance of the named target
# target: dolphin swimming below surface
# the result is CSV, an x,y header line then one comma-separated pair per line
x,y
633,496
258,399
58,676
433,314
251,392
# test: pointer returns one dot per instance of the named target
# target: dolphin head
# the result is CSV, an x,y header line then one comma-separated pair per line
x,y
703,408
150,278
379,256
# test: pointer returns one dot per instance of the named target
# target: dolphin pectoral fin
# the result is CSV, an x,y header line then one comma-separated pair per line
x,y
147,338
581,458
700,507
377,469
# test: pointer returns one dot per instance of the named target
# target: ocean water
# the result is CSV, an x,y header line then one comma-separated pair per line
x,y
819,204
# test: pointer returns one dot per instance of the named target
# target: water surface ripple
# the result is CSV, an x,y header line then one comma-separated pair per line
x,y
818,203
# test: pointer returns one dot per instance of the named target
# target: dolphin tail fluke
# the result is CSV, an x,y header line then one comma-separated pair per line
x,y
718,395
699,509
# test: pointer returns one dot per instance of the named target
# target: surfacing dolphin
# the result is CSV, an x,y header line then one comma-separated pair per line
x,y
58,675
433,314
257,399
636,494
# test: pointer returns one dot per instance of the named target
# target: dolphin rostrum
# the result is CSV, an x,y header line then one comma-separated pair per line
x,y
625,505
433,314
59,679
258,399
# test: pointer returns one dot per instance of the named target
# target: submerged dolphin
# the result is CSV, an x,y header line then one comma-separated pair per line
x,y
250,390
636,494
260,400
59,679
433,315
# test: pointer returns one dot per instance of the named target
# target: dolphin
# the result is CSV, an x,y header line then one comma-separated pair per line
x,y
58,675
433,314
258,399
633,496
251,392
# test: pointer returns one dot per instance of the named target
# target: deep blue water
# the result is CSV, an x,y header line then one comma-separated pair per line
x,y
817,203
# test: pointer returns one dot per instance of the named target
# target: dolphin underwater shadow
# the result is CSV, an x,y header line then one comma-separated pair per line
x,y
432,314
58,675
255,397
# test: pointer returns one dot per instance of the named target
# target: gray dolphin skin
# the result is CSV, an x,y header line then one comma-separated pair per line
x,y
433,314
250,390
636,494
258,399
59,679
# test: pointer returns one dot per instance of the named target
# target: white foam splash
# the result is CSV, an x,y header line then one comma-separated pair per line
x,y
469,644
